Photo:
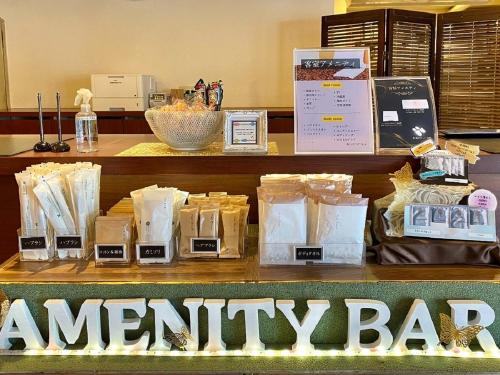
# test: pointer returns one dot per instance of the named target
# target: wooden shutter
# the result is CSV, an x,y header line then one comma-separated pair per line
x,y
358,29
468,70
401,42
4,95
410,43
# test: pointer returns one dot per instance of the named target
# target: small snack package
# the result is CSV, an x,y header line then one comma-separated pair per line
x,y
113,237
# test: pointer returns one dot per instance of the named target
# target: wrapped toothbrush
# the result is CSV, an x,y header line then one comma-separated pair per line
x,y
61,201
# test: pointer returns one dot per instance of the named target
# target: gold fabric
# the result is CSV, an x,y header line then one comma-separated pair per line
x,y
161,149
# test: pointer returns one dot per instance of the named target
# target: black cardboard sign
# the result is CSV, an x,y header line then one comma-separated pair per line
x,y
205,245
68,242
32,243
308,253
110,251
152,251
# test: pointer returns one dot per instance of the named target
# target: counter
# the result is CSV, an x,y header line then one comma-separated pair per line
x,y
396,286
196,174
25,121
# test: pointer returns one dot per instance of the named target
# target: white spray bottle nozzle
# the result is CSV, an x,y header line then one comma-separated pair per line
x,y
83,97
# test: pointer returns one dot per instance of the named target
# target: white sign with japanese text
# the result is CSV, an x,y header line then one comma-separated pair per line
x,y
333,105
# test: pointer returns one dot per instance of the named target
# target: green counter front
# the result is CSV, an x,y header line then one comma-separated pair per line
x,y
397,287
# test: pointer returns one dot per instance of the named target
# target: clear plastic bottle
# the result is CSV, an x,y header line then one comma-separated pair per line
x,y
86,129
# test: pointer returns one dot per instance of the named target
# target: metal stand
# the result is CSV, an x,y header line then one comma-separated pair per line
x,y
41,146
60,145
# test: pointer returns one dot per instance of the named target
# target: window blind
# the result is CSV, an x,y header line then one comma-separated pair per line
x,y
411,49
358,29
469,71
363,34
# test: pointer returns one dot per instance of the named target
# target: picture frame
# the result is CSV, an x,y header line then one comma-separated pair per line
x,y
245,131
405,113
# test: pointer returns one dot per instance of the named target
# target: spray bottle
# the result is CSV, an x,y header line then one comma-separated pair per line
x,y
85,123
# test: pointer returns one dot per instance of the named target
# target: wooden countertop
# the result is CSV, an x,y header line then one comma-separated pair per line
x,y
286,162
233,271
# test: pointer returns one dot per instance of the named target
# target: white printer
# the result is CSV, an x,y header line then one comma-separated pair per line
x,y
121,92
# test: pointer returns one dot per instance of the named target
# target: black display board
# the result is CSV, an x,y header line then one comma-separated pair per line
x,y
405,112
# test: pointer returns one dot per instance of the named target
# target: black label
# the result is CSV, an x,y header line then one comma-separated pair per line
x,y
110,251
205,245
69,242
151,251
330,63
33,243
309,253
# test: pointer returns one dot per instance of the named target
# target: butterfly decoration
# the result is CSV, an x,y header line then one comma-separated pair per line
x,y
4,307
451,334
180,339
405,174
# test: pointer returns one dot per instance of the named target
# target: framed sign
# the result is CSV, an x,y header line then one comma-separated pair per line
x,y
245,131
405,113
333,104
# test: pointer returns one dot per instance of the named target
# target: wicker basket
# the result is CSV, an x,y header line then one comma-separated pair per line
x,y
185,131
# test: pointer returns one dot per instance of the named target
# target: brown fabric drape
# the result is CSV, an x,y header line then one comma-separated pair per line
x,y
412,250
